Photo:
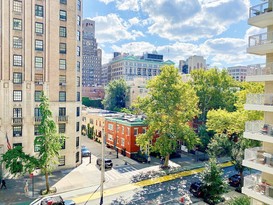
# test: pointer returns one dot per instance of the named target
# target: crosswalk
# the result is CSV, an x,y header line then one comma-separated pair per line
x,y
121,172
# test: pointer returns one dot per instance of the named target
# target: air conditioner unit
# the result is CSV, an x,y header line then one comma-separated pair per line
x,y
17,135
40,83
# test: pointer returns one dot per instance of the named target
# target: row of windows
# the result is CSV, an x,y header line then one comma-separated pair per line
x,y
18,96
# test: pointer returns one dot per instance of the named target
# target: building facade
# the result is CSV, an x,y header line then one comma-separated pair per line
x,y
259,187
238,73
128,67
192,63
91,55
40,51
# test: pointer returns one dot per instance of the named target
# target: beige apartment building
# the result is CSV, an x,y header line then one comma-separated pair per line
x,y
40,50
260,186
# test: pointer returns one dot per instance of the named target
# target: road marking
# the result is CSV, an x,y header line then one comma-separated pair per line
x,y
137,185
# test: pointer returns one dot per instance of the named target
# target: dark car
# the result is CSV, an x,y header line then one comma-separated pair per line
x,y
196,189
53,200
85,152
107,163
234,180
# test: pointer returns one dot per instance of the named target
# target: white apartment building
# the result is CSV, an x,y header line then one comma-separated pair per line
x,y
260,186
40,50
195,62
238,72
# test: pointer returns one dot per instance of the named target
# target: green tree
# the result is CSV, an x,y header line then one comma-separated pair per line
x,y
96,103
169,106
213,184
116,95
17,162
242,200
49,142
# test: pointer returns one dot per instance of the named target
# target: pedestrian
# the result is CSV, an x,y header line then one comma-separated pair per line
x,y
3,183
149,159
26,186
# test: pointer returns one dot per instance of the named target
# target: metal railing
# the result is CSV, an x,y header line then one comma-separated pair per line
x,y
63,118
259,99
260,69
259,9
37,119
254,182
259,126
260,39
17,120
259,156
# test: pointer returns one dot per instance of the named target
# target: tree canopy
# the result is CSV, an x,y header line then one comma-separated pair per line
x,y
169,106
116,95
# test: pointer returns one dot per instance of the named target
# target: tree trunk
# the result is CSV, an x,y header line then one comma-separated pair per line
x,y
47,184
242,179
166,162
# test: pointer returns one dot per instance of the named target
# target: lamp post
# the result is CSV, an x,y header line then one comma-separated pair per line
x,y
102,166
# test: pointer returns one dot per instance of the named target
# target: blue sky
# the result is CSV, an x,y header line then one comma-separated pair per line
x,y
215,29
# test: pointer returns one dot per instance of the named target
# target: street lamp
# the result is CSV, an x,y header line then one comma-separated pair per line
x,y
102,166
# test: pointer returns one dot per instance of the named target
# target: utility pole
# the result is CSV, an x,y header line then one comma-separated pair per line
x,y
102,166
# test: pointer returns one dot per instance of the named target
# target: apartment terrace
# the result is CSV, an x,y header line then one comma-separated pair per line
x,y
259,130
261,102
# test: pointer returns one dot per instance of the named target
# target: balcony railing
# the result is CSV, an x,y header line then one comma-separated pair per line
x,y
259,99
260,39
63,118
259,127
259,9
259,156
256,184
37,119
260,69
17,120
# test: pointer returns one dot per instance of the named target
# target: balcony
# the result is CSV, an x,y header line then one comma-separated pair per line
x,y
62,118
257,158
259,130
260,102
260,72
260,44
37,119
258,189
261,15
17,120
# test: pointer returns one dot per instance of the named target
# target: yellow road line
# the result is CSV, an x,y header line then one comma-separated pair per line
x,y
148,182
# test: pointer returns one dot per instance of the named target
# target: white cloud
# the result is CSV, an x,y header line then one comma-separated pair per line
x,y
127,5
185,20
112,28
106,1
134,21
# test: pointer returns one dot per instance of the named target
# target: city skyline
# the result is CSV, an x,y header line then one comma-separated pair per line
x,y
215,29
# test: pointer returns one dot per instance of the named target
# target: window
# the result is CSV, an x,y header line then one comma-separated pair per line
x,y
39,45
17,6
77,126
78,51
62,111
17,60
61,128
17,131
144,130
79,20
17,78
62,79
63,48
17,24
17,112
39,62
77,156
110,137
37,112
39,28
78,96
17,42
122,142
78,35
17,95
62,15
63,2
110,126
36,130
36,147
37,96
77,141
62,32
62,64
62,96
78,81
78,111
17,145
135,131
61,161
38,79
122,129
78,66
39,10
63,144
79,5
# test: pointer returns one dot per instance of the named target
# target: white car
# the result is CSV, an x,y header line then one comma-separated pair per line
x,y
52,200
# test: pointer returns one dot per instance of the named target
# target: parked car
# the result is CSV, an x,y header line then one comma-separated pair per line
x,y
85,152
196,189
234,180
52,200
107,163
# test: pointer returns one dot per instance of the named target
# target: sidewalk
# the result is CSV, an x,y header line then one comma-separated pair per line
x,y
86,178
